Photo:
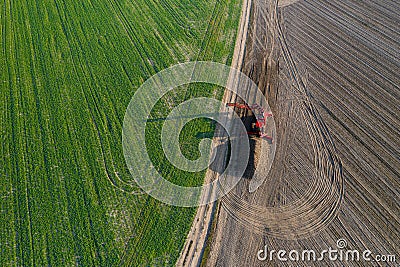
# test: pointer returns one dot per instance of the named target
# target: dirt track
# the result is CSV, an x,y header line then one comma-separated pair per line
x,y
336,86
193,250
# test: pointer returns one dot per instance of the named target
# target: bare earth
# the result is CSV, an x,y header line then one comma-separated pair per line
x,y
329,70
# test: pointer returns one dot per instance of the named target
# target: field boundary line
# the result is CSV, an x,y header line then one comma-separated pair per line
x,y
193,249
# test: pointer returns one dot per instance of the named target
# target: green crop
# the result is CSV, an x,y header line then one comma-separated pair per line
x,y
68,70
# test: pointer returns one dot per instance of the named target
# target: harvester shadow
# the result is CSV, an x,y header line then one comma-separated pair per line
x,y
218,165
204,115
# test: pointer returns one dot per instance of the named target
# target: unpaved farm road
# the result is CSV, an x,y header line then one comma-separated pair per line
x,y
330,72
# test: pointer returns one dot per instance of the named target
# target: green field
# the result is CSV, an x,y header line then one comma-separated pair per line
x,y
68,70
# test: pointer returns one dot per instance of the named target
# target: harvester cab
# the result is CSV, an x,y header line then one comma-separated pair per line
x,y
258,119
